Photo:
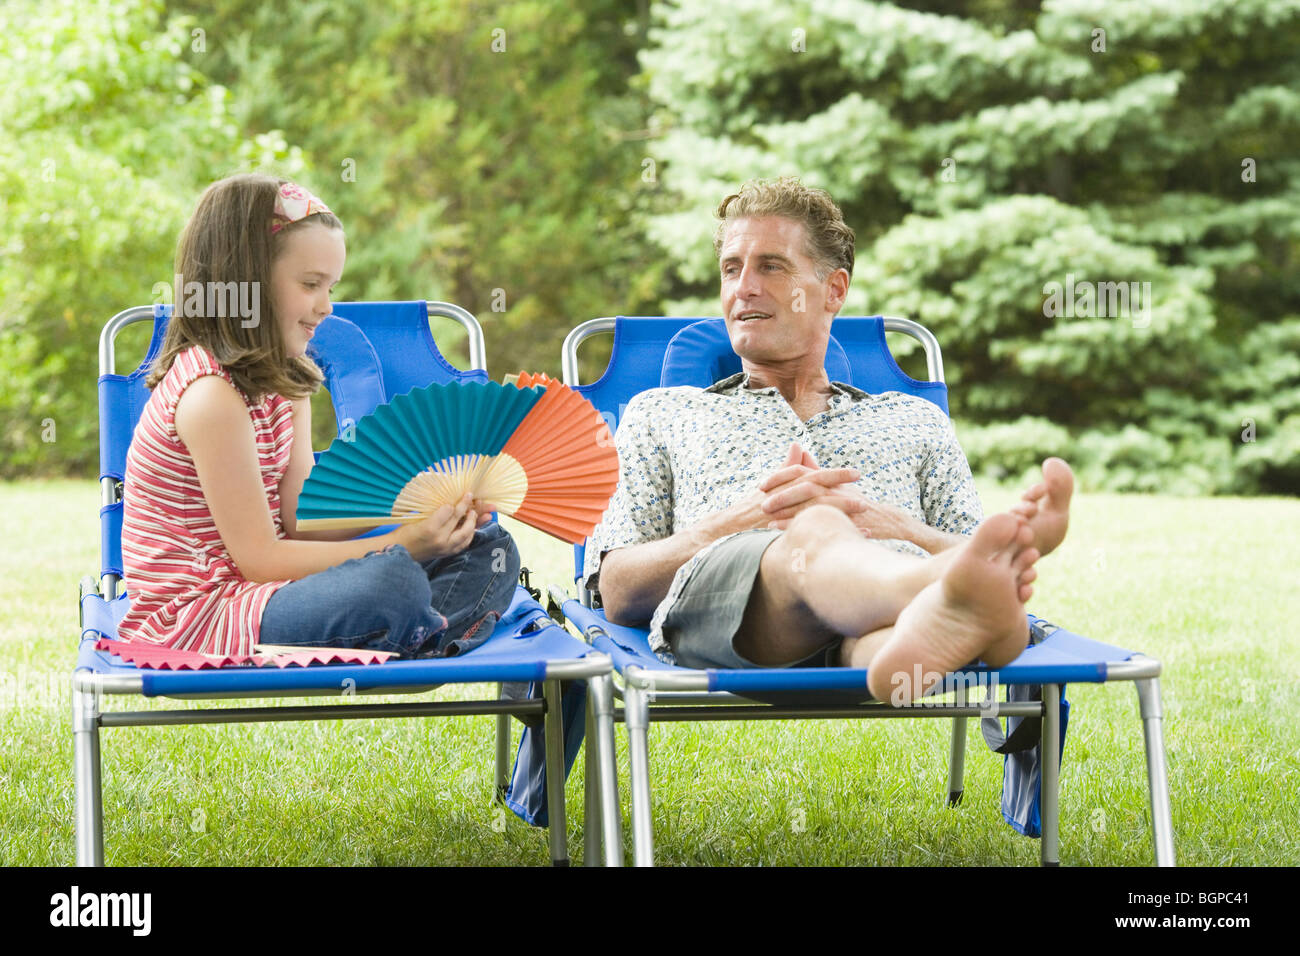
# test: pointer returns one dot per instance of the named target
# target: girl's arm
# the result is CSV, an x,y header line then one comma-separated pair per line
x,y
300,461
212,420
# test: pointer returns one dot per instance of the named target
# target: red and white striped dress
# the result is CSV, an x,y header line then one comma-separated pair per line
x,y
186,590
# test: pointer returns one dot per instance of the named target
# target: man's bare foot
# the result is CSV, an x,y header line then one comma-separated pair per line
x,y
1046,505
975,610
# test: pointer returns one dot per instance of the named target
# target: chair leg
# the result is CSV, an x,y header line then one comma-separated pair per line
x,y
555,774
957,753
636,714
1049,792
89,824
600,701
502,761
502,752
1162,827
591,808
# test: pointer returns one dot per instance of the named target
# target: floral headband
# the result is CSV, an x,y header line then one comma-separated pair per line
x,y
292,203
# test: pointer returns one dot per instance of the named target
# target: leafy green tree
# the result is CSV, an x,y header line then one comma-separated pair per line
x,y
106,138
487,153
1092,204
481,152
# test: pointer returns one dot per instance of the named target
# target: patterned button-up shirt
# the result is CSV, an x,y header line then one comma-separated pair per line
x,y
685,453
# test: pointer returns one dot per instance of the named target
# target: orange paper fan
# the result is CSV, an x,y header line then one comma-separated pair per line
x,y
570,482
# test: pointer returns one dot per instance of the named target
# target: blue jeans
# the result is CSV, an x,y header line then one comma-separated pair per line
x,y
388,601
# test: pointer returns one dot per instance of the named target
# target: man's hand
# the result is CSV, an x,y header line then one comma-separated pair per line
x,y
786,499
873,519
802,483
634,579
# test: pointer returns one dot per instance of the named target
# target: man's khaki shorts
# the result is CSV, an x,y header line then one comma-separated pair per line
x,y
702,623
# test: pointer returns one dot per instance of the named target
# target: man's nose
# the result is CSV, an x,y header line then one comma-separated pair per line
x,y
747,283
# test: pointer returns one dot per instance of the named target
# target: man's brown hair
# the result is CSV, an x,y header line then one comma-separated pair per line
x,y
229,240
830,240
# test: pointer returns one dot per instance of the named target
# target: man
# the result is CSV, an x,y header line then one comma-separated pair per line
x,y
780,519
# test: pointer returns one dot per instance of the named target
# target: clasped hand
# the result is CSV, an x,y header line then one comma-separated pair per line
x,y
801,483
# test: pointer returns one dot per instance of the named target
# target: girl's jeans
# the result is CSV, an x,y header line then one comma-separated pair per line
x,y
388,601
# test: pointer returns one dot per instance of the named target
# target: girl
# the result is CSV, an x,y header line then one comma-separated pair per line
x,y
213,561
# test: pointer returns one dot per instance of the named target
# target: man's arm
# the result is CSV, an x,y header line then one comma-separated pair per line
x,y
949,500
635,578
874,520
880,521
929,539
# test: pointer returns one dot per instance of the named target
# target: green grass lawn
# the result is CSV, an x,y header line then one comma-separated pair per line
x,y
1207,586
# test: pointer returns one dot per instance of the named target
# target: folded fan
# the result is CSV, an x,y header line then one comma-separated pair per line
x,y
540,453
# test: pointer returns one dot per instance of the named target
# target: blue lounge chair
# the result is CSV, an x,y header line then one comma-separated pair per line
x,y
370,352
650,352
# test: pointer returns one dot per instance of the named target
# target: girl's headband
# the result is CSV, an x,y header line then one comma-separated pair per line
x,y
292,203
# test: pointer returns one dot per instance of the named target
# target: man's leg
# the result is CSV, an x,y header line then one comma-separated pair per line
x,y
822,579
976,609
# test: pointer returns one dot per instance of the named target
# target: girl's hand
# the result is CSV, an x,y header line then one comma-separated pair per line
x,y
484,510
447,531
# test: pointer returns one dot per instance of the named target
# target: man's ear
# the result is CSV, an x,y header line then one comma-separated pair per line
x,y
837,290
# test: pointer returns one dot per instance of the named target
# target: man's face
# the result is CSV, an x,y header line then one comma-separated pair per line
x,y
776,308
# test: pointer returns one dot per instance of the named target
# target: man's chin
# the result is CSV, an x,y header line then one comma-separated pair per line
x,y
758,346
753,330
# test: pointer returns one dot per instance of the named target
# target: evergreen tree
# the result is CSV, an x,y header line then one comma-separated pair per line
x,y
1092,204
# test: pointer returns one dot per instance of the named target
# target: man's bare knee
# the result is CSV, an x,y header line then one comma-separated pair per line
x,y
789,568
817,526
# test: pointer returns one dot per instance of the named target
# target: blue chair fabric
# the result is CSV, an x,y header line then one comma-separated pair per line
x,y
645,356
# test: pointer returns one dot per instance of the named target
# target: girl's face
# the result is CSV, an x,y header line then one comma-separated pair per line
x,y
309,265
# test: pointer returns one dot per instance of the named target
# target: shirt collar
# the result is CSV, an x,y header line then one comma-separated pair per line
x,y
735,383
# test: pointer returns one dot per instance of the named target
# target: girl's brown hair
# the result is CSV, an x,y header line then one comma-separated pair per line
x,y
229,240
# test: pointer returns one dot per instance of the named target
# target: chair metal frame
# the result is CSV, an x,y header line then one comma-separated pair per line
x,y
89,688
683,695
